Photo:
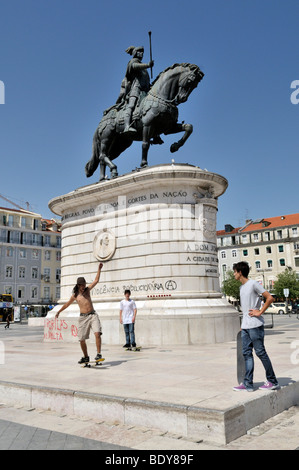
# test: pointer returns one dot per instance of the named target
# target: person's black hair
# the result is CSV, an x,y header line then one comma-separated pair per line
x,y
242,267
127,291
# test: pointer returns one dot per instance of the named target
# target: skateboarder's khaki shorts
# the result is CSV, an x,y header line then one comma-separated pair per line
x,y
87,322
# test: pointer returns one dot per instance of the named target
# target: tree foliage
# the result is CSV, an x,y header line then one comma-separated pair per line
x,y
287,280
231,287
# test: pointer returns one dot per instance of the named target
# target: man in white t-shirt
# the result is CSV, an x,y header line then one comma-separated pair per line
x,y
253,328
127,317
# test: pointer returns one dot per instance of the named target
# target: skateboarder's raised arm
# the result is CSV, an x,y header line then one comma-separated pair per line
x,y
72,299
97,278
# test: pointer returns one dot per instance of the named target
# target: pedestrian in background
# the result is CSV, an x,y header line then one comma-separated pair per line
x,y
8,319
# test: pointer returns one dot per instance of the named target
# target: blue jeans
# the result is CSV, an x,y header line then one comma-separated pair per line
x,y
130,334
253,338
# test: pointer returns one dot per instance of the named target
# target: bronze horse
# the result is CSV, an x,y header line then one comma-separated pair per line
x,y
155,114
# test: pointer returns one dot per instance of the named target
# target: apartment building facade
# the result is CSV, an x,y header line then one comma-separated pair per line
x,y
269,246
30,253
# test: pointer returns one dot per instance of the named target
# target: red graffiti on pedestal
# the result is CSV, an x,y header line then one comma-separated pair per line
x,y
54,329
74,331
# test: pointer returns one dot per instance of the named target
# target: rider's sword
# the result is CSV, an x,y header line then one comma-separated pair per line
x,y
150,41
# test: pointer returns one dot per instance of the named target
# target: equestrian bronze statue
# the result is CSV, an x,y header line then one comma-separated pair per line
x,y
143,112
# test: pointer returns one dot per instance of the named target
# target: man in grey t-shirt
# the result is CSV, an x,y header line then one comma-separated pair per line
x,y
253,328
250,298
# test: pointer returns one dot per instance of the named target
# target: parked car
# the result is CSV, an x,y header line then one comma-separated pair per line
x,y
295,308
277,308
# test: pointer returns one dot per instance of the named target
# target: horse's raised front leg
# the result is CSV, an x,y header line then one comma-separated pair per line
x,y
187,128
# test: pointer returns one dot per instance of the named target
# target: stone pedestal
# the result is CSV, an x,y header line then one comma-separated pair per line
x,y
155,232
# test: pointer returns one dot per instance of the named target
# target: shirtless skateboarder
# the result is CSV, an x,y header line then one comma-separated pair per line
x,y
88,317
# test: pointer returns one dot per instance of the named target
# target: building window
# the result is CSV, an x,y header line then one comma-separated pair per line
x,y
34,292
269,263
8,272
47,274
58,255
47,255
21,292
297,262
22,271
47,240
9,252
223,254
255,237
244,238
280,249
268,249
282,262
256,251
58,274
234,253
257,265
46,293
15,237
279,234
34,273
57,293
35,254
23,254
266,236
294,231
34,239
245,252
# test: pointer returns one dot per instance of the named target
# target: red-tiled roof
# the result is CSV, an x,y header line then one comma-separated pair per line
x,y
290,220
273,222
223,232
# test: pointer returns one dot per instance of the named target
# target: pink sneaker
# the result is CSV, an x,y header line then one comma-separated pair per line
x,y
242,388
269,386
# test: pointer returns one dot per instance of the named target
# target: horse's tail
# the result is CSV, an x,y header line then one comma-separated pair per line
x,y
93,163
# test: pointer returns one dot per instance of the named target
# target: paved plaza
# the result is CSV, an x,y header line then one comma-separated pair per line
x,y
156,389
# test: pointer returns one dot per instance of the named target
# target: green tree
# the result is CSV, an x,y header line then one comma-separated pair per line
x,y
231,287
287,280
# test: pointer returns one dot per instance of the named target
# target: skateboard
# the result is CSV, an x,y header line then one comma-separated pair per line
x,y
240,359
97,363
138,348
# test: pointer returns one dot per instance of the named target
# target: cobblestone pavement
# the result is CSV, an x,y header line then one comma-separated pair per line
x,y
15,436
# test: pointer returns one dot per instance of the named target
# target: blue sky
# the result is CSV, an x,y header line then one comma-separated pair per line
x,y
62,62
